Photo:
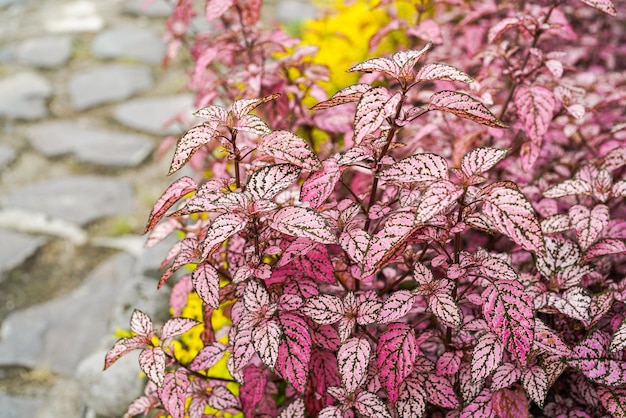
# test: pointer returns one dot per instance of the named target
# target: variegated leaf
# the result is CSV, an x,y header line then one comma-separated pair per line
x,y
206,282
252,124
396,352
374,106
505,376
605,6
124,346
510,403
141,324
440,391
480,407
266,340
437,198
173,393
412,398
330,412
443,305
152,363
556,223
177,326
222,398
267,182
222,228
295,409
303,223
486,356
355,243
613,400
618,340
242,107
346,95
548,341
294,352
370,405
208,356
615,158
423,167
213,113
406,60
439,71
385,242
191,142
320,184
605,247
575,302
177,190
289,147
464,106
384,65
242,350
480,160
324,309
588,224
396,306
568,188
535,108
535,383
352,361
591,357
448,363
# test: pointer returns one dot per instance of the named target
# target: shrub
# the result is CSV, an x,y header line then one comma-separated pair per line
x,y
424,257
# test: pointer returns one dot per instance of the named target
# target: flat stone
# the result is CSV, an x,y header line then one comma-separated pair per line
x,y
47,52
59,334
129,42
23,96
7,155
6,3
107,84
63,400
89,144
15,248
78,199
150,114
74,17
156,8
290,11
16,406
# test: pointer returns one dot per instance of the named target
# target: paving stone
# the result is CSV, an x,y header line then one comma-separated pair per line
x,y
288,11
23,96
74,17
107,84
47,52
59,334
129,42
91,145
79,199
63,400
16,406
150,114
7,156
156,8
15,248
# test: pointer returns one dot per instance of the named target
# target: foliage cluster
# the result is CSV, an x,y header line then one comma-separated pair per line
x,y
422,257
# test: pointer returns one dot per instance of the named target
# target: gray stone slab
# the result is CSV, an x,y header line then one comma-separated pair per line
x,y
150,114
59,334
91,145
74,17
15,248
129,42
17,406
46,52
78,199
289,11
156,8
108,84
23,96
7,156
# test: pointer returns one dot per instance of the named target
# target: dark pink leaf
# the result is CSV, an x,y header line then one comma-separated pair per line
x,y
388,240
267,182
448,364
191,142
352,361
177,326
295,409
423,167
222,228
535,108
303,223
152,363
289,303
591,357
294,352
486,356
464,106
412,398
317,264
510,403
440,392
206,282
513,215
437,198
221,398
374,106
439,71
618,340
605,247
588,224
177,190
124,346
501,27
396,352
548,341
253,388
508,311
324,375
215,9
284,145
480,160
505,376
568,188
242,107
535,383
613,400
605,6
320,184
346,95
208,356
370,405
396,306
266,340
141,324
179,294
480,407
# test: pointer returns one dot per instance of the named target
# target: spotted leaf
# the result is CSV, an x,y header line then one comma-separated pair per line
x,y
221,398
618,340
324,309
423,167
320,184
412,397
186,146
303,223
439,71
346,95
568,188
286,146
396,306
440,391
574,302
206,282
352,361
213,113
374,106
295,409
152,363
177,326
480,160
388,240
443,305
486,356
222,228
535,383
548,341
396,352
591,357
464,106
242,107
605,247
124,346
266,340
267,182
177,190
505,375
436,199
208,356
535,108
605,6
383,65
173,393
448,363
294,352
613,400
479,407
370,405
588,224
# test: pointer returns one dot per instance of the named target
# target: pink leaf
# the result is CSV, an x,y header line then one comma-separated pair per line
x,y
618,340
505,376
501,27
615,158
320,184
303,223
242,350
324,375
384,244
267,182
141,324
588,224
613,400
216,8
370,405
575,302
412,398
396,352
384,65
464,106
317,264
352,360
486,356
396,306
480,407
445,309
255,296
535,108
480,160
208,356
295,409
253,388
440,392
294,352
535,382
177,326
437,198
513,215
508,311
330,412
178,189
213,113
324,309
569,187
355,243
180,294
449,363
346,95
548,341
368,310
555,223
374,106
222,228
124,346
605,6
242,107
605,247
510,403
252,124
190,143
591,357
284,145
173,393
152,362
265,340
439,71
206,282
221,398
423,167
468,387
406,60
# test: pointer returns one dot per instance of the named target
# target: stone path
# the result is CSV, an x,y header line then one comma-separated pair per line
x,y
84,104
